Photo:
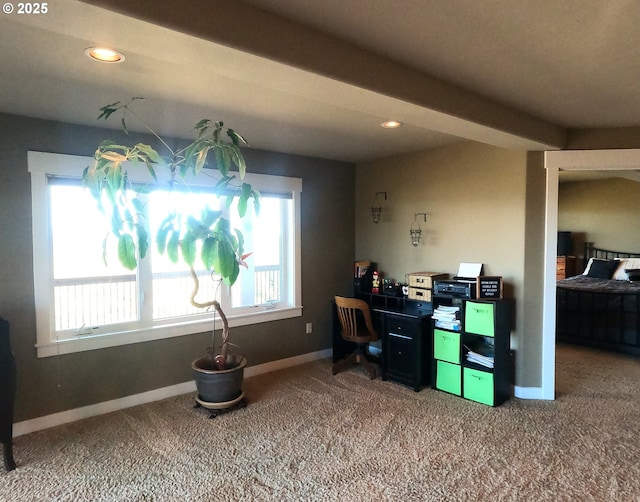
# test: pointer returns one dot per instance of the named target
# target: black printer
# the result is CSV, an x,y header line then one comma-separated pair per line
x,y
462,286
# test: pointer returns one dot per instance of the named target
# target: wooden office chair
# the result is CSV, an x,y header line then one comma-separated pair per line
x,y
355,321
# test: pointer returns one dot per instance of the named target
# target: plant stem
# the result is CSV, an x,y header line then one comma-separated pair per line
x,y
150,129
216,305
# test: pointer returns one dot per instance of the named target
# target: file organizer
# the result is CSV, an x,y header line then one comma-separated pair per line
x,y
475,363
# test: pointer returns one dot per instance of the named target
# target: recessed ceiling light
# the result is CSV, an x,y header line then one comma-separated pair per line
x,y
104,55
391,124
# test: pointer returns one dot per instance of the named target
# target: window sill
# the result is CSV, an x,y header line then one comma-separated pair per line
x,y
103,341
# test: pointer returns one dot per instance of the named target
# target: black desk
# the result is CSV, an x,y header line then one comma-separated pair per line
x,y
7,394
404,350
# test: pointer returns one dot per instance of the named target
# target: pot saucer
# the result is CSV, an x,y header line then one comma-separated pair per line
x,y
222,405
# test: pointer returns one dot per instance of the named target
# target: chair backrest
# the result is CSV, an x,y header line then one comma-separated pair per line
x,y
348,314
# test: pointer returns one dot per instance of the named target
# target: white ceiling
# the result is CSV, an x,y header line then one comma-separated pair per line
x,y
317,77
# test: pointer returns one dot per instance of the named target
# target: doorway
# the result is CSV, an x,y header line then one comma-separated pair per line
x,y
554,162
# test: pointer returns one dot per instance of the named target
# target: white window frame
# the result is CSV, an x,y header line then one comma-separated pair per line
x,y
41,165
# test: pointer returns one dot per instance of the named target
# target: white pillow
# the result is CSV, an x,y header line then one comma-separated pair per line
x,y
632,263
625,264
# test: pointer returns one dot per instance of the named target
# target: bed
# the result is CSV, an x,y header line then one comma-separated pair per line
x,y
601,307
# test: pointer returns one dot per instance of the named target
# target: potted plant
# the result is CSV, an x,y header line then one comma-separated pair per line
x,y
208,237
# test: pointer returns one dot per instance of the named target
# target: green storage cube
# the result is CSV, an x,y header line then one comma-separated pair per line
x,y
479,318
478,386
449,377
446,346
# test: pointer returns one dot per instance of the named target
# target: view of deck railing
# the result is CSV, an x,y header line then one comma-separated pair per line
x,y
267,284
98,301
95,301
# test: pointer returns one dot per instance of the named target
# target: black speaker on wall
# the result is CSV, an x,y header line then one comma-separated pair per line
x,y
565,244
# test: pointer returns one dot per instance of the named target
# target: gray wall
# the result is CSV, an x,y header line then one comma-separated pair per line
x,y
55,384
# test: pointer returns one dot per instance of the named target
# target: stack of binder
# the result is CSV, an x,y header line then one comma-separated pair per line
x,y
447,317
474,356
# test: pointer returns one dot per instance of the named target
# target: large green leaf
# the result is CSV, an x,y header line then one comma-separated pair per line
x,y
223,232
193,224
143,240
149,152
184,168
202,126
215,257
223,167
257,197
138,204
242,206
116,221
222,227
108,144
209,216
208,252
225,259
236,138
163,233
127,252
128,218
107,110
172,246
151,170
240,162
247,192
240,245
201,158
188,247
233,275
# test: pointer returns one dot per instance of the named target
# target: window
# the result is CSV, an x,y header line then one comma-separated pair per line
x,y
83,303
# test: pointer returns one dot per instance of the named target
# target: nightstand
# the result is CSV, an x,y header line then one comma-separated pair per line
x,y
565,267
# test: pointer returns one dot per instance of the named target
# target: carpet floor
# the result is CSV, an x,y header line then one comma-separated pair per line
x,y
307,435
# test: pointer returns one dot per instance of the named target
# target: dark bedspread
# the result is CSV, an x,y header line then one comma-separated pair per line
x,y
603,313
593,285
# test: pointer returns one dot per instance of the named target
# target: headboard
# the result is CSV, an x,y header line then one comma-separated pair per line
x,y
590,251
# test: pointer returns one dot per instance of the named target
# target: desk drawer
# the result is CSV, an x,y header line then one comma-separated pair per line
x,y
479,318
425,279
407,351
401,326
399,355
446,346
420,294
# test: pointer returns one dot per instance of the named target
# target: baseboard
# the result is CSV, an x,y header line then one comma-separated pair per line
x,y
93,410
280,364
529,393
